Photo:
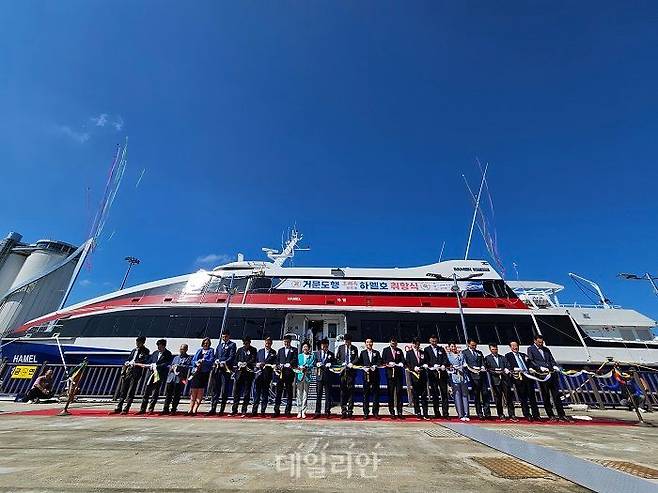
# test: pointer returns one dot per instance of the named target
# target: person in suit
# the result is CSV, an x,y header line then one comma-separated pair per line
x,y
131,374
202,364
176,379
394,361
323,361
541,360
305,364
245,359
347,355
459,382
370,359
264,358
415,360
499,376
224,362
525,387
437,361
475,360
156,373
286,360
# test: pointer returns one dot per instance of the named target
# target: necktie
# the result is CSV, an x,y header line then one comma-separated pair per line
x,y
519,360
324,356
347,355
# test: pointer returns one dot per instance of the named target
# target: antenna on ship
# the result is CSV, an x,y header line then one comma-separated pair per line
x,y
476,209
288,250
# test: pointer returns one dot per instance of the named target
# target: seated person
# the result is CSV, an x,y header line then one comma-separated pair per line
x,y
42,388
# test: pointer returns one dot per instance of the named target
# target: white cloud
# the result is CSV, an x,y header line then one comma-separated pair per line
x,y
214,259
117,123
86,283
80,137
99,120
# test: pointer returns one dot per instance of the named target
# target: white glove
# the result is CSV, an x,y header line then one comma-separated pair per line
x,y
425,366
327,365
391,363
506,370
543,368
242,364
287,365
350,365
153,366
516,368
416,369
261,364
443,367
556,368
400,365
128,363
373,367
318,365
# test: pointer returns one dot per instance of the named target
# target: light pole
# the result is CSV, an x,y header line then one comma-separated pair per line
x,y
455,289
131,261
645,277
230,291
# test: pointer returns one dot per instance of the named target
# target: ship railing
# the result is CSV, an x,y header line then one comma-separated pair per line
x,y
102,382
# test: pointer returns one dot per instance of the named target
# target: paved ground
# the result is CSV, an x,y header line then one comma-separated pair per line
x,y
103,454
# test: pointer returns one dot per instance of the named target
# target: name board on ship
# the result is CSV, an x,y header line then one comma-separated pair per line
x,y
377,285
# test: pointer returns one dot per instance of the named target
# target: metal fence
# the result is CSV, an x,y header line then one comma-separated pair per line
x,y
102,382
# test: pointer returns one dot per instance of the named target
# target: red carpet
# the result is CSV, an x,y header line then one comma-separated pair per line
x,y
104,413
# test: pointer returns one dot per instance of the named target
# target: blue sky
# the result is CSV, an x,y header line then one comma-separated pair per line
x,y
354,120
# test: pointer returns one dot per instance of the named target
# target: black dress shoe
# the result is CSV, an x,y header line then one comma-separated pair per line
x,y
125,411
210,413
343,416
164,412
141,411
393,416
401,416
115,411
376,416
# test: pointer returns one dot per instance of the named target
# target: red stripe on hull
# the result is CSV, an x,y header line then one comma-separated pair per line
x,y
296,300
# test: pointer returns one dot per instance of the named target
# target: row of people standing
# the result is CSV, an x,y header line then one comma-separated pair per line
x,y
431,368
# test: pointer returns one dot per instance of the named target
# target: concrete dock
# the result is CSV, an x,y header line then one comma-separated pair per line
x,y
91,451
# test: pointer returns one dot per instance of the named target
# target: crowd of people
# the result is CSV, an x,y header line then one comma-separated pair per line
x,y
435,373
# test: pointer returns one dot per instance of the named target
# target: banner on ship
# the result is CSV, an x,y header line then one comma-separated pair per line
x,y
377,285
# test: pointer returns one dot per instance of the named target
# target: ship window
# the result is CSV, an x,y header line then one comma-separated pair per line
x,y
369,329
627,334
427,329
73,327
388,329
486,333
506,333
152,326
525,329
450,332
220,284
260,284
197,328
273,328
170,289
408,330
644,334
177,326
557,330
253,328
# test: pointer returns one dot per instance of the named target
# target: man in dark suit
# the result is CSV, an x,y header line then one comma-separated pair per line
x,y
131,374
475,360
415,359
286,360
264,357
156,374
394,361
437,361
525,387
499,376
347,355
370,359
176,380
245,359
222,372
541,360
323,361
